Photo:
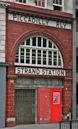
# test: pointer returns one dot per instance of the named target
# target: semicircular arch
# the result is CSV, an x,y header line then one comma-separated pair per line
x,y
46,34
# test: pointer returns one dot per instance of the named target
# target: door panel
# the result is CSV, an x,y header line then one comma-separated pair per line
x,y
25,106
49,105
44,105
56,105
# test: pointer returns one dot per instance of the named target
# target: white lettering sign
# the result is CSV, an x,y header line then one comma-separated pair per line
x,y
40,71
40,21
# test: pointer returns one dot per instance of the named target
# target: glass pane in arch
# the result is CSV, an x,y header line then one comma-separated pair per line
x,y
34,41
39,41
44,42
28,41
50,45
28,56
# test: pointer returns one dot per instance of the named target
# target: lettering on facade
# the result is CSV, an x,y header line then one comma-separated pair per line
x,y
40,71
60,24
39,21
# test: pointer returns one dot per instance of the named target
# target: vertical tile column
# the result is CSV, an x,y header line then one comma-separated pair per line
x,y
2,94
2,33
2,63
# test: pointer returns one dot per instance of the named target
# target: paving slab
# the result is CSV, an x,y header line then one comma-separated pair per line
x,y
35,126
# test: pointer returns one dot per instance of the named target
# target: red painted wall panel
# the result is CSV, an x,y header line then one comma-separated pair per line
x,y
44,106
49,105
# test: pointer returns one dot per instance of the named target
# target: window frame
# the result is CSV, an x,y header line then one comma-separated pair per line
x,y
59,5
46,4
17,1
43,56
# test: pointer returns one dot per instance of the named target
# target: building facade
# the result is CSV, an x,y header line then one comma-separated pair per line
x,y
38,53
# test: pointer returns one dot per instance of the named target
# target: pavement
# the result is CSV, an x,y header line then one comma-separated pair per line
x,y
35,126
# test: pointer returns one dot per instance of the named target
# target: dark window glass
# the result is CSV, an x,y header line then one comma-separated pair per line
x,y
28,42
77,2
33,56
77,94
27,61
40,3
39,57
43,3
44,57
57,8
60,1
34,41
27,55
77,20
54,46
22,55
39,41
24,1
55,58
44,42
77,60
50,45
59,60
50,57
20,0
57,2
33,62
22,60
77,64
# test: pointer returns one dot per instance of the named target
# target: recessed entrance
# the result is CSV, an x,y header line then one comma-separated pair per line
x,y
25,106
33,100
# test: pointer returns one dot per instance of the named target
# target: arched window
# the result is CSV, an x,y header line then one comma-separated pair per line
x,y
39,51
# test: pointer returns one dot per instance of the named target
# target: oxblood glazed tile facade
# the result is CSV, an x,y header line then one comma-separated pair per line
x,y
39,72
